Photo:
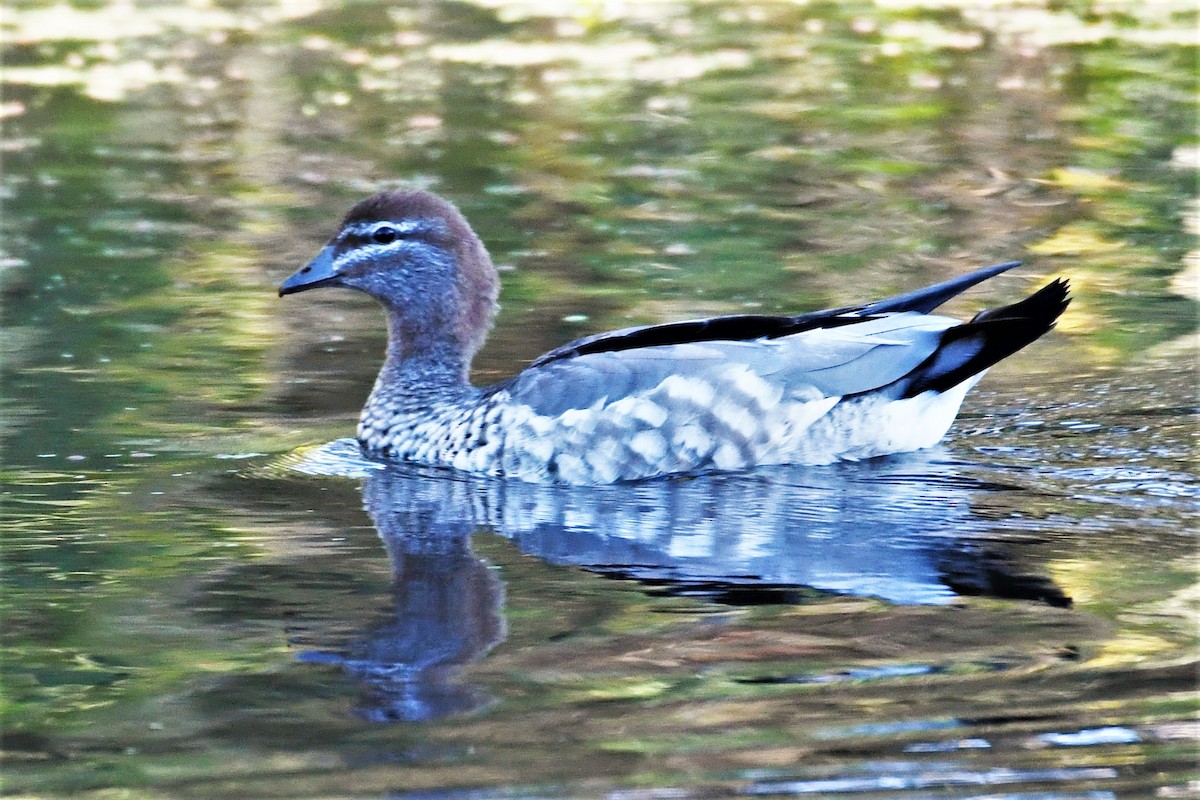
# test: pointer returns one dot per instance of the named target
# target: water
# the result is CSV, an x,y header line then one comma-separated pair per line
x,y
207,594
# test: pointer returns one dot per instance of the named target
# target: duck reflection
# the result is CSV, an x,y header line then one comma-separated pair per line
x,y
899,529
447,606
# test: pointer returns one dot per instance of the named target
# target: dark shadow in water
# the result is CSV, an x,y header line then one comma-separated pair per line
x,y
900,529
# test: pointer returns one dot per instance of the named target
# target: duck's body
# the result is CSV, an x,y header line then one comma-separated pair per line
x,y
725,393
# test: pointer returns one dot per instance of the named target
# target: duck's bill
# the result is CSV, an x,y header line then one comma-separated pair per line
x,y
318,272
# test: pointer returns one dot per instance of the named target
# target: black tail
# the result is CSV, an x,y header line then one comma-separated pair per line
x,y
993,335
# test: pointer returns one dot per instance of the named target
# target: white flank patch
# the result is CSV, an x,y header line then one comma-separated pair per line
x,y
650,445
754,387
727,457
920,421
583,420
540,425
606,461
541,448
805,393
693,390
639,408
738,419
803,415
571,468
693,438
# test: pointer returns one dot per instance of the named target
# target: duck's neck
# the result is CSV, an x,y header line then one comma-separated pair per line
x,y
423,371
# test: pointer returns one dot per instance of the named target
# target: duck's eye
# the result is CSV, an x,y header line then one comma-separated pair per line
x,y
385,235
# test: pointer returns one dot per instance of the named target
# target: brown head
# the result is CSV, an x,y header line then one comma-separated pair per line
x,y
416,254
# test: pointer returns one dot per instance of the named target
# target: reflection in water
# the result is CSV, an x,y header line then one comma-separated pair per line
x,y
447,610
900,529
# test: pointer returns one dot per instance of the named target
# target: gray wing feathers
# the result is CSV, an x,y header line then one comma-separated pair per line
x,y
832,362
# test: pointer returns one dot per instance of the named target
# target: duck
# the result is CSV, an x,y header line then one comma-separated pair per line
x,y
719,394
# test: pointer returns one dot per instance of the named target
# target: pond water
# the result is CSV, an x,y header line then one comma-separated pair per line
x,y
208,593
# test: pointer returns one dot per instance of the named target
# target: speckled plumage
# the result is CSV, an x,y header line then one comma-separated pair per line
x,y
725,393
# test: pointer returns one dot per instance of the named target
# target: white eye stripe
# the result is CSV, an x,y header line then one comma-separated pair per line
x,y
367,229
368,251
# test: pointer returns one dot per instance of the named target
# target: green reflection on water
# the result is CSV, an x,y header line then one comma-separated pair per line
x,y
641,164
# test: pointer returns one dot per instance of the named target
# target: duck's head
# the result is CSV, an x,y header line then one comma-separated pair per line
x,y
417,255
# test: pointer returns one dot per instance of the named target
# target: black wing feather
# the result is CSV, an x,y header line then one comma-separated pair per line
x,y
745,327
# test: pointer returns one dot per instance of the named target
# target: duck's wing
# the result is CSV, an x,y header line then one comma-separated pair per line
x,y
900,353
749,327
818,363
